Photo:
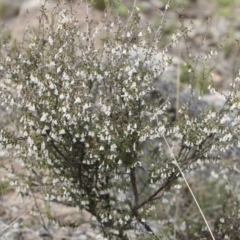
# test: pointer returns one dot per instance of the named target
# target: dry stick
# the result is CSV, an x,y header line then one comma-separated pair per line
x,y
41,216
87,15
163,17
178,82
134,185
131,14
200,210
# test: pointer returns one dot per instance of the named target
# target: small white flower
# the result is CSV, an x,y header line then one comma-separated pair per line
x,y
65,76
64,109
214,174
44,117
33,79
78,100
221,220
52,64
59,69
31,107
113,147
30,141
62,96
149,29
61,132
102,148
52,86
224,119
50,40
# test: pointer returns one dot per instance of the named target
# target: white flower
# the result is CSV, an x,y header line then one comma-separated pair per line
x,y
78,100
64,109
226,137
52,86
221,220
33,79
59,69
91,133
44,131
50,40
62,96
44,117
99,78
214,174
161,130
30,141
65,76
30,107
133,86
52,64
149,29
62,131
224,119
113,147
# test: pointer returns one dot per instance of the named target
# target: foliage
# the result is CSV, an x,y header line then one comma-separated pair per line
x,y
92,124
99,4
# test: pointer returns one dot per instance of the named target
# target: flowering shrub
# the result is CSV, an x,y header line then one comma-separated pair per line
x,y
92,126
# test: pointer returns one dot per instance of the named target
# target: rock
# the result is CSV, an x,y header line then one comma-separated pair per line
x,y
9,9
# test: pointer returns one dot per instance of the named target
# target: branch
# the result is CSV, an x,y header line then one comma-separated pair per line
x,y
58,151
134,185
170,179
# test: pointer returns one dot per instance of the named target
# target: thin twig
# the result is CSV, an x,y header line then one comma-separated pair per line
x,y
160,190
178,83
163,17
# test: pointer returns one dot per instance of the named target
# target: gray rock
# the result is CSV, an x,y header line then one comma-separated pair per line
x,y
9,9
